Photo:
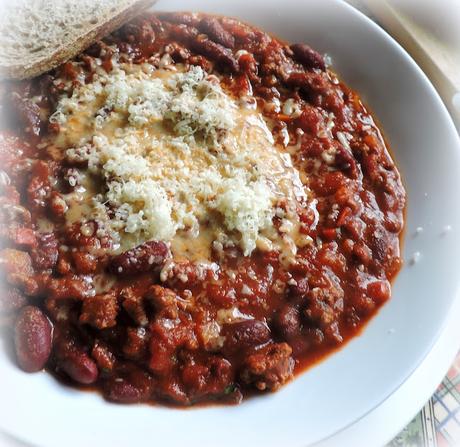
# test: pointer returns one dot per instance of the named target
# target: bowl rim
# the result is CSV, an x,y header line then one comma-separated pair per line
x,y
446,118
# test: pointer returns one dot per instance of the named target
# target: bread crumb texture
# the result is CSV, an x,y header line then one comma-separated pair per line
x,y
33,30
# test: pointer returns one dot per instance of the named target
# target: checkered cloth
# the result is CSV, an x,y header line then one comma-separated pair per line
x,y
438,424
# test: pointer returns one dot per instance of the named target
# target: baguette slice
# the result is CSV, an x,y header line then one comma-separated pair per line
x,y
38,35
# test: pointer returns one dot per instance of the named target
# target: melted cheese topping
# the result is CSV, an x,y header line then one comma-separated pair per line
x,y
171,156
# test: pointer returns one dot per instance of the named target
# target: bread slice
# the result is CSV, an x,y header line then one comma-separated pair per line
x,y
38,35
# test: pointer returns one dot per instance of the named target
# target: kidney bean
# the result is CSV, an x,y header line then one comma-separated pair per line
x,y
74,361
241,32
216,52
345,161
212,27
183,33
308,57
134,386
32,339
287,321
245,334
362,253
299,289
313,86
141,259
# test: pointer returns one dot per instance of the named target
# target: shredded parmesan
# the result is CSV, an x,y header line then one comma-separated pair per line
x,y
191,102
171,156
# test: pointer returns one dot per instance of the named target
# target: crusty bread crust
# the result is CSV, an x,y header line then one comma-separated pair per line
x,y
25,70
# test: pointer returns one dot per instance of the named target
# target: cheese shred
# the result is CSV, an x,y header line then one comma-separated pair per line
x,y
171,156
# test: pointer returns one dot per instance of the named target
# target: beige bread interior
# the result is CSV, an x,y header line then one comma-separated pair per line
x,y
38,35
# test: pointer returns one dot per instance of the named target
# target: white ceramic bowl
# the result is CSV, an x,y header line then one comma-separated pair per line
x,y
371,367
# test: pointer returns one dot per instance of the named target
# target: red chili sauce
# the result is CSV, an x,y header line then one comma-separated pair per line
x,y
153,339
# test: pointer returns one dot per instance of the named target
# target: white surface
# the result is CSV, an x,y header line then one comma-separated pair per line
x,y
368,370
383,423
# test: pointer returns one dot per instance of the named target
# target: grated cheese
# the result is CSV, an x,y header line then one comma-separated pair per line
x,y
173,157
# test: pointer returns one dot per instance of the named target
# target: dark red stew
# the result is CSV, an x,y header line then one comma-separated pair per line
x,y
151,336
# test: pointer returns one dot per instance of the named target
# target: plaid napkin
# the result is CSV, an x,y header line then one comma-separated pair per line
x,y
438,424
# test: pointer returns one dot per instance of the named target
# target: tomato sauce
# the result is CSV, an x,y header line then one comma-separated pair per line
x,y
143,327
